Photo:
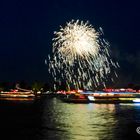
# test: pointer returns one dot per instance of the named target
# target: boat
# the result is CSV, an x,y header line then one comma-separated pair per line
x,y
16,94
74,98
101,97
112,97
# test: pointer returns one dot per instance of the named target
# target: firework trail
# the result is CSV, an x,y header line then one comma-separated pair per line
x,y
80,56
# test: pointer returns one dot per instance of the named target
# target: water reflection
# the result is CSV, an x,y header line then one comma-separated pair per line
x,y
78,121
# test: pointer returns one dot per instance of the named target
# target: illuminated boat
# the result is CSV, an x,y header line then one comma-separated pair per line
x,y
112,97
16,94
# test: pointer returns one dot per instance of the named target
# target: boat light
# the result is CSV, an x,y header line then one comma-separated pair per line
x,y
136,100
91,98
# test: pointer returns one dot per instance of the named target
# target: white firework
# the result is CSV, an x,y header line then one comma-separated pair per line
x,y
80,57
76,39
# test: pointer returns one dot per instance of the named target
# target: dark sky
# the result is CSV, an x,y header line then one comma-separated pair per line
x,y
27,26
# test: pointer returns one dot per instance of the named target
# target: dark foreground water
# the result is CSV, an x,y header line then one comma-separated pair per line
x,y
51,119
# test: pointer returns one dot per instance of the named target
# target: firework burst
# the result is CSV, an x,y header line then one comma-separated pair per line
x,y
80,56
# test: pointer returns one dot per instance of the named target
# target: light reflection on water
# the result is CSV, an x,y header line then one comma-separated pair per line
x,y
64,121
50,119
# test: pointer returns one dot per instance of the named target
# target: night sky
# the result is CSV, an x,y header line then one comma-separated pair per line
x,y
27,26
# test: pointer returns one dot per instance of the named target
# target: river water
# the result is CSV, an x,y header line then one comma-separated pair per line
x,y
52,119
